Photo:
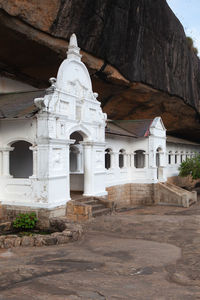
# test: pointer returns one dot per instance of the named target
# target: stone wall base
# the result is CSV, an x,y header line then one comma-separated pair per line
x,y
171,194
10,212
77,211
131,194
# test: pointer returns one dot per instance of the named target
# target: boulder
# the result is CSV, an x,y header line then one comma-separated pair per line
x,y
136,50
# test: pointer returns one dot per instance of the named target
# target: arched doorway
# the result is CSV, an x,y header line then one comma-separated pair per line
x,y
76,165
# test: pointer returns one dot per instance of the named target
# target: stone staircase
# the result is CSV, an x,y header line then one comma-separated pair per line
x,y
98,207
170,194
84,208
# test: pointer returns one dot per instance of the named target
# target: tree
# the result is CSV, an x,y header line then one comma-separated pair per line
x,y
191,44
191,166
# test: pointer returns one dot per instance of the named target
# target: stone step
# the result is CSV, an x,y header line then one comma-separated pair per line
x,y
101,212
169,204
176,188
97,206
90,202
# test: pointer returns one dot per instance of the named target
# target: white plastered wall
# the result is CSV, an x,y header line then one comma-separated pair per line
x,y
129,173
178,149
16,191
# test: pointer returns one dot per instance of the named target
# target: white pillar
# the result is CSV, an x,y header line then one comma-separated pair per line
x,y
116,159
68,171
68,143
34,149
146,161
78,161
152,158
128,160
1,163
88,169
6,161
125,160
112,160
132,160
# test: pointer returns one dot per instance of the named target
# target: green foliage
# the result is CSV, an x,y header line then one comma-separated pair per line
x,y
25,221
191,44
191,166
195,50
190,41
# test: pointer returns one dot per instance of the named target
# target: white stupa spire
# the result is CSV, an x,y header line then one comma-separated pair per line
x,y
73,49
73,41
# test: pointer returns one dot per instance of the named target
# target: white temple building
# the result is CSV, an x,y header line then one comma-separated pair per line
x,y
59,141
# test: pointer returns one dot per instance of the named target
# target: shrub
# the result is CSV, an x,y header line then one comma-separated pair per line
x,y
190,166
190,43
25,221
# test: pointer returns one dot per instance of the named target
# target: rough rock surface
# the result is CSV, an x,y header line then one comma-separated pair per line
x,y
146,253
136,51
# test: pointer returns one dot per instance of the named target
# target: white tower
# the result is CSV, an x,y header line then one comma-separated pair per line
x,y
71,127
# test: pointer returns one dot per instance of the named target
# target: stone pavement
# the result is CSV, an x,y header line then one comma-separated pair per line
x,y
145,253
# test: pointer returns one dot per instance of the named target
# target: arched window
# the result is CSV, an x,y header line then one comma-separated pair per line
x,y
21,160
121,158
170,157
139,159
108,158
77,137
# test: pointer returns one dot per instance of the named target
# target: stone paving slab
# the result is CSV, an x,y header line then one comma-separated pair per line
x,y
146,253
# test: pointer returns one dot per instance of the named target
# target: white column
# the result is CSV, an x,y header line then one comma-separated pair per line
x,y
6,161
88,168
68,171
78,161
146,161
172,158
1,163
125,160
116,159
69,142
128,160
34,149
112,160
132,160
152,158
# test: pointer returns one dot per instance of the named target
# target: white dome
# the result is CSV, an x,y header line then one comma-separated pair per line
x,y
73,71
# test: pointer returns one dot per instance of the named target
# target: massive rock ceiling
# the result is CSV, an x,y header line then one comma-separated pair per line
x,y
136,52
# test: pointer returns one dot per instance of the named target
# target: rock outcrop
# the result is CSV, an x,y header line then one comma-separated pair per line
x,y
136,51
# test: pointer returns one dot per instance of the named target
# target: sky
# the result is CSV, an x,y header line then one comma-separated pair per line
x,y
188,12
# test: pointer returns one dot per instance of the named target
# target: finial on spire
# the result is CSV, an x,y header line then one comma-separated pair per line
x,y
73,40
73,49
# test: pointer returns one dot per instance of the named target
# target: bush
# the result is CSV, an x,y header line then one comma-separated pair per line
x,y
190,166
25,221
190,43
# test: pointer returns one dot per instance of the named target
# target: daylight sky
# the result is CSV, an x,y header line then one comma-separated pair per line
x,y
188,12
